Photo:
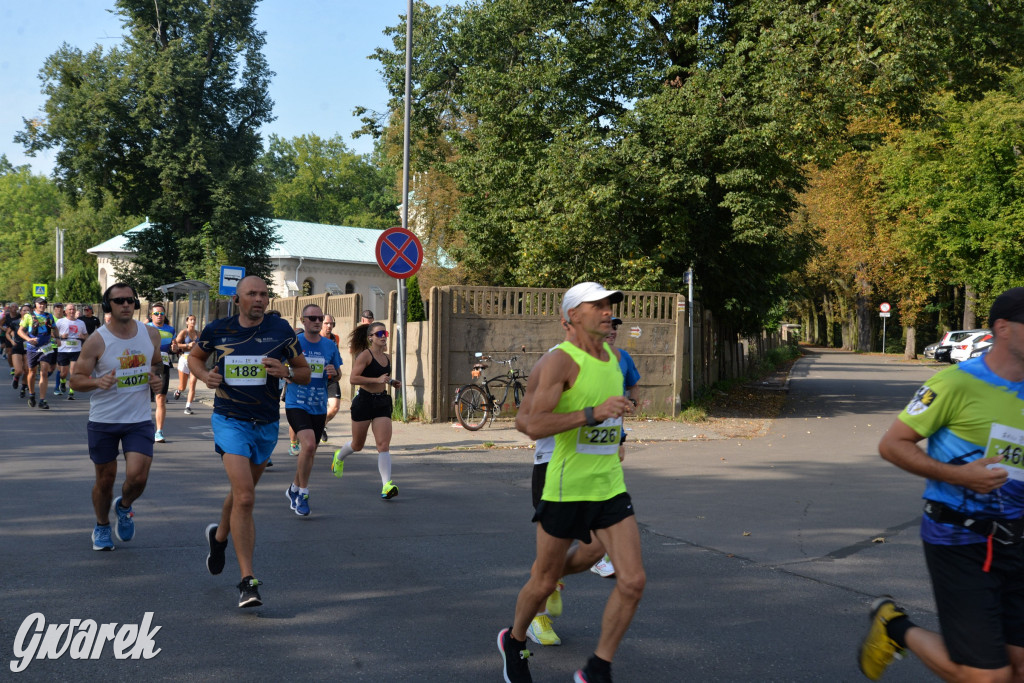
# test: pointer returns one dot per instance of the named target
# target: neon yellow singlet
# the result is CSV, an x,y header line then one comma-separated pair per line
x,y
585,465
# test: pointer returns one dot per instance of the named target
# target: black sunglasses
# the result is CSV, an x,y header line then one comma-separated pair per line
x,y
123,300
314,318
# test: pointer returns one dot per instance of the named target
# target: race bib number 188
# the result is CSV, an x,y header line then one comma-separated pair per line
x,y
245,370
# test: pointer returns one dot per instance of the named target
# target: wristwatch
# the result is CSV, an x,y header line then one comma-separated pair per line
x,y
291,372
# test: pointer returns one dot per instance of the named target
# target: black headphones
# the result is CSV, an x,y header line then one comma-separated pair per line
x,y
105,304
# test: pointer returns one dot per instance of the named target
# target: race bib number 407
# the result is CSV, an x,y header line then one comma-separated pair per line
x,y
132,379
245,370
1008,444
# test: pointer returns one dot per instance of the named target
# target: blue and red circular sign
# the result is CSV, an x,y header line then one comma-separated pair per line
x,y
399,253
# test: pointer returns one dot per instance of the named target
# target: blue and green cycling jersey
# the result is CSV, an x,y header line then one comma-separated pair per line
x,y
968,412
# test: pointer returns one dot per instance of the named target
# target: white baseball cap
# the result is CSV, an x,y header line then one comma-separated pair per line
x,y
584,292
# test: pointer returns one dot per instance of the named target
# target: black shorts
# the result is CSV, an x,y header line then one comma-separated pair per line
x,y
980,612
165,381
539,473
367,406
578,518
18,349
36,357
299,419
66,358
334,389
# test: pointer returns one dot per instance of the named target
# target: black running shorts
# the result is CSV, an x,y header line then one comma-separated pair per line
x,y
367,406
299,420
577,519
334,389
980,612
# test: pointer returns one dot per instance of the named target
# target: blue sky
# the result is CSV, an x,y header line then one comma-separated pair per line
x,y
318,48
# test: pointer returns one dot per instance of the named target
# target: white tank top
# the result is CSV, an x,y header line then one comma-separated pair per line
x,y
127,402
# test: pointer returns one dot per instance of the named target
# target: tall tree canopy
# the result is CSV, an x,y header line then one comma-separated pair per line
x,y
323,181
167,126
625,141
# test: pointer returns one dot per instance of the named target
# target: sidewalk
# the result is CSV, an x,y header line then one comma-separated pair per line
x,y
437,436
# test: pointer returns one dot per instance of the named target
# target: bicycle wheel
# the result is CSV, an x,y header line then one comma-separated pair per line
x,y
518,391
471,407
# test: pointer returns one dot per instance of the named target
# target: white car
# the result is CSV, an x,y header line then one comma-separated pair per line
x,y
948,339
963,349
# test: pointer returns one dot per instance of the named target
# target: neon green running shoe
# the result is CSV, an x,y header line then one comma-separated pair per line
x,y
554,603
540,631
877,650
337,465
389,491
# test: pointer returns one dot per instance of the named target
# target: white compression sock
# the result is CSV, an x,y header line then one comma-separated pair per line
x,y
384,466
345,451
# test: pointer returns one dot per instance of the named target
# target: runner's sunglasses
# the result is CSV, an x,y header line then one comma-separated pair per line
x,y
380,334
314,318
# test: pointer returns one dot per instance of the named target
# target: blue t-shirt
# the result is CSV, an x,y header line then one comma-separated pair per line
x,y
166,337
630,375
248,392
312,397
968,412
39,325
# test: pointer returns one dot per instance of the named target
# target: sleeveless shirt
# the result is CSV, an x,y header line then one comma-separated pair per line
x,y
127,402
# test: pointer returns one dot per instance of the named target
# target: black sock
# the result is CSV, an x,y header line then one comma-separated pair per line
x,y
897,630
596,665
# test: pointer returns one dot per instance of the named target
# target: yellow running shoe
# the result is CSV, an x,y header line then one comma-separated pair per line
x,y
337,465
388,491
554,603
540,631
877,650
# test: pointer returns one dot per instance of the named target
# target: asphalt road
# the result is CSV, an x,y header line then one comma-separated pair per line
x,y
762,555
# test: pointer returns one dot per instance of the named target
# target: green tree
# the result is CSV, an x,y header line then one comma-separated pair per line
x,y
167,125
414,300
29,208
323,181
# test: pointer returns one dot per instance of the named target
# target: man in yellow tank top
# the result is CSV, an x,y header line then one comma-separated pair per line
x,y
575,395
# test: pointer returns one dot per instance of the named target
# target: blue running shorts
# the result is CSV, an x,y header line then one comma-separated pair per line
x,y
248,439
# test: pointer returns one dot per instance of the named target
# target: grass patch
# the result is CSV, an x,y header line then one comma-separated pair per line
x,y
416,413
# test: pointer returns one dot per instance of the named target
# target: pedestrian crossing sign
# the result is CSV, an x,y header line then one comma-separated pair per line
x,y
40,290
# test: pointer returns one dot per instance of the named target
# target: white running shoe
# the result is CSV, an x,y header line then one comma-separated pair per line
x,y
604,568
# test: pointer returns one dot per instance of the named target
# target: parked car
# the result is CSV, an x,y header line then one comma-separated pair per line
x,y
982,347
942,354
948,339
962,349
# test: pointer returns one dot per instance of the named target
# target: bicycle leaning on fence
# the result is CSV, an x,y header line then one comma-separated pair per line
x,y
477,403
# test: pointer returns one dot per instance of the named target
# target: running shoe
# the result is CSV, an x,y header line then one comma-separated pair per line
x,y
337,465
71,394
125,530
101,538
14,382
877,650
540,631
249,592
389,491
177,394
31,401
58,391
293,448
215,560
323,437
604,568
588,675
514,657
553,606
188,410
21,394
159,436
302,505
43,405
293,496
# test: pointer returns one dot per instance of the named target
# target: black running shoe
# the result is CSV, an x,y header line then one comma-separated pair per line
x,y
21,394
215,560
31,401
514,655
43,404
14,383
592,673
249,593
323,437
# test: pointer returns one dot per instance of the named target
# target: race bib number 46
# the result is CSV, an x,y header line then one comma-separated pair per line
x,y
245,370
601,439
1008,444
